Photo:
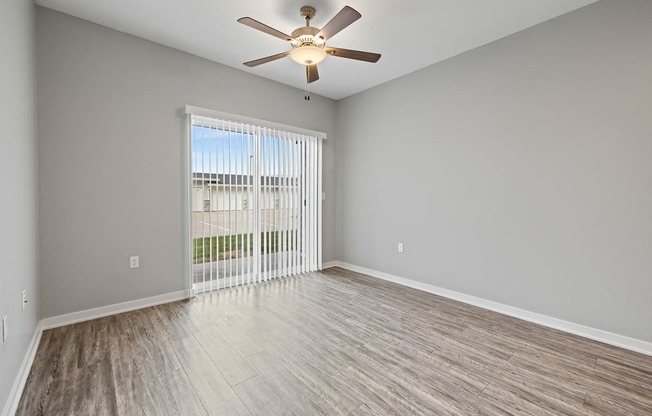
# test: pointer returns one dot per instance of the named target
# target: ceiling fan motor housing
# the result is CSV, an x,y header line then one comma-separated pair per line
x,y
305,35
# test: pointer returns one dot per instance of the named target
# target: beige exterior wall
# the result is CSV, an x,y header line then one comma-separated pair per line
x,y
236,198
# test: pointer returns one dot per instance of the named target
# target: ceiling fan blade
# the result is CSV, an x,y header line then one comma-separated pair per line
x,y
311,73
352,54
266,59
248,21
344,18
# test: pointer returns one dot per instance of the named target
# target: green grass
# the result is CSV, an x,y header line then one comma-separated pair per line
x,y
205,249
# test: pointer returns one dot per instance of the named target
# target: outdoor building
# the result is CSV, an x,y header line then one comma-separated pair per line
x,y
232,192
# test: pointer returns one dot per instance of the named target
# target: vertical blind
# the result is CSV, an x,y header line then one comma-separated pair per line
x,y
256,203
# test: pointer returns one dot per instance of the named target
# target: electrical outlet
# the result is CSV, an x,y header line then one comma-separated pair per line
x,y
400,247
134,262
5,328
24,299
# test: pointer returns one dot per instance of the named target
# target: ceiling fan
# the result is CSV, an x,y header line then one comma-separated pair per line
x,y
309,43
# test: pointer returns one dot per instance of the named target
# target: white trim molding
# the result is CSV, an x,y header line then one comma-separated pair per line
x,y
132,305
330,264
595,334
19,383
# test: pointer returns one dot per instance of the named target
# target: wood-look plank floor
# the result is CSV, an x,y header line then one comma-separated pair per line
x,y
329,343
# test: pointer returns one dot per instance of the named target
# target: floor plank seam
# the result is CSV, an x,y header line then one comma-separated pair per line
x,y
188,376
250,378
209,356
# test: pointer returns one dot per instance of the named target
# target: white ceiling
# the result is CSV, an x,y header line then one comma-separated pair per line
x,y
410,34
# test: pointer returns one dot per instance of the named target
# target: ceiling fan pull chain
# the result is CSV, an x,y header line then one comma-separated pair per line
x,y
306,95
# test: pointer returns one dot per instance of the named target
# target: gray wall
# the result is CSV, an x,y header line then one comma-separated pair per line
x,y
18,213
518,172
108,123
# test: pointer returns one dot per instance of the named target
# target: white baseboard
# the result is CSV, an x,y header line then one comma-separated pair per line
x,y
19,383
87,315
330,264
606,337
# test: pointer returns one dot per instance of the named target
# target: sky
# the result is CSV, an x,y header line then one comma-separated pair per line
x,y
219,151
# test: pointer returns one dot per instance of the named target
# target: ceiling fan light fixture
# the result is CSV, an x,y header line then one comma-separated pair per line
x,y
308,55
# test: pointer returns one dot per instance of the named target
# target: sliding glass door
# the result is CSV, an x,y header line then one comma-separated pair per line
x,y
255,203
